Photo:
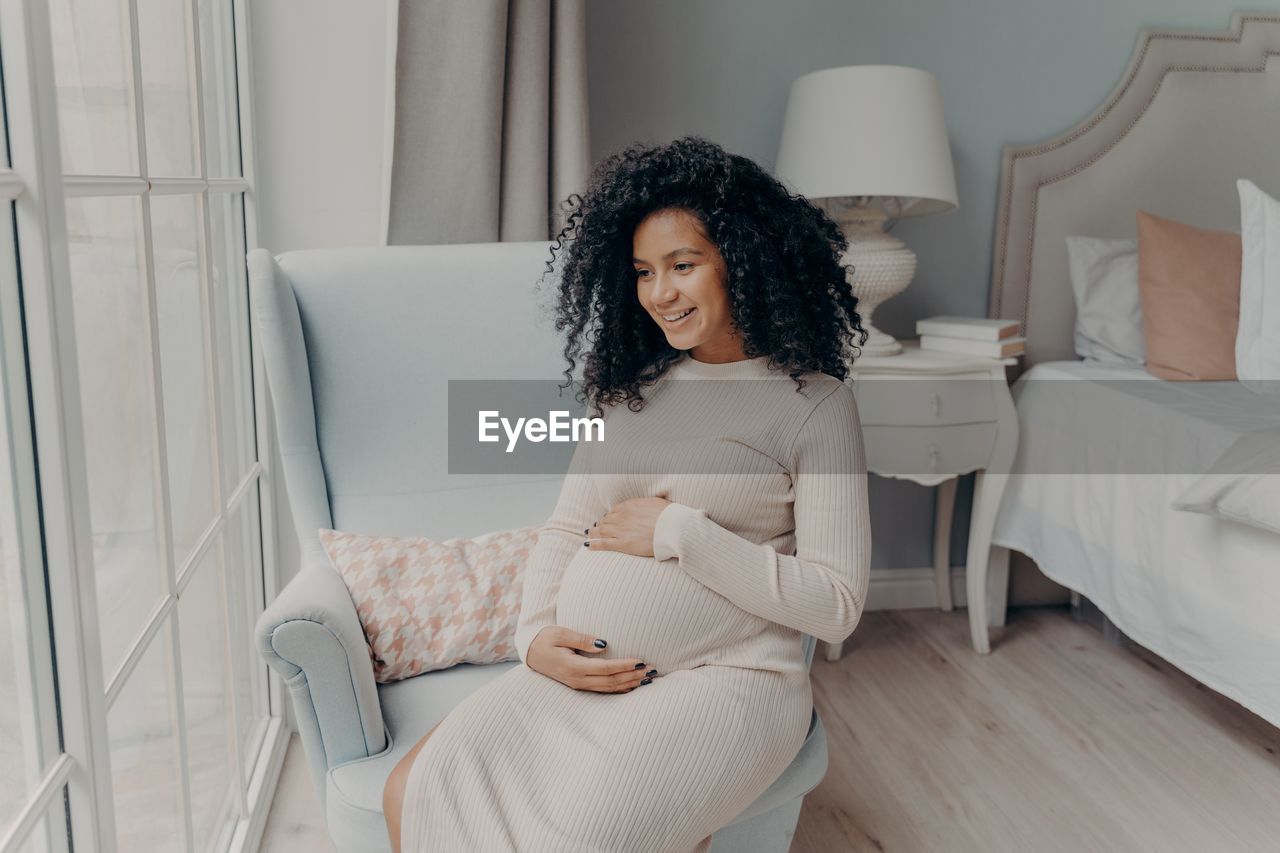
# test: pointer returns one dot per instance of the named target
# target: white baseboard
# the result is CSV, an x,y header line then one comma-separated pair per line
x,y
912,589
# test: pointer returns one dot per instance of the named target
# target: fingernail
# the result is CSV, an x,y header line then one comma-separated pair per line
x,y
585,544
646,680
600,644
652,672
640,666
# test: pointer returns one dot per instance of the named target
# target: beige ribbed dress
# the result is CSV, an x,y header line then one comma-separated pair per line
x,y
767,537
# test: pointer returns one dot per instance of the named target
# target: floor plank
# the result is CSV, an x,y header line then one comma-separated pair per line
x,y
295,824
1057,740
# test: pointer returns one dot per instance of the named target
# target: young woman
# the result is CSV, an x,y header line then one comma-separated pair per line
x,y
663,685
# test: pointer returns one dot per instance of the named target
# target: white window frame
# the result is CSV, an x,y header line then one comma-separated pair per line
x,y
36,186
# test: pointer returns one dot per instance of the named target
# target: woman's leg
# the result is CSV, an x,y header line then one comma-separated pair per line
x,y
393,793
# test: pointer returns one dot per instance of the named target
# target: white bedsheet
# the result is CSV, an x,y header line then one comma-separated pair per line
x,y
1202,593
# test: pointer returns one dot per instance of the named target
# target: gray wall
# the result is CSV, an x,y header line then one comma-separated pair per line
x,y
1011,71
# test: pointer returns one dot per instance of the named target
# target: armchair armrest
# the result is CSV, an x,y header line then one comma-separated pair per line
x,y
311,635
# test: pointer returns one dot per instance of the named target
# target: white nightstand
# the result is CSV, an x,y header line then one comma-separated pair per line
x,y
930,423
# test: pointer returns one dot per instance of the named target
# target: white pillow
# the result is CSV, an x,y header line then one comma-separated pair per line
x,y
1258,335
1242,485
1104,278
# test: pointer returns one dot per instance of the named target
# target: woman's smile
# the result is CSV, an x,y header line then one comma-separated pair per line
x,y
679,317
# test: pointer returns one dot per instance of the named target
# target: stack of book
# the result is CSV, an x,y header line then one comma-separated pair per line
x,y
971,336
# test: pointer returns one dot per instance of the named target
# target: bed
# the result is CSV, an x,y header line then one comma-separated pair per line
x,y
1104,449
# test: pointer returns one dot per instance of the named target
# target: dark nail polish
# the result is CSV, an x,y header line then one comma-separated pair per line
x,y
646,681
652,672
600,644
639,666
586,544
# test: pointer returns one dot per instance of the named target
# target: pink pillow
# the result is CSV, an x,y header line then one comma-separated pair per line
x,y
426,604
1189,286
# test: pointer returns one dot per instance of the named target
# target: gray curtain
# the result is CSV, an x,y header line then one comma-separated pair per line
x,y
490,119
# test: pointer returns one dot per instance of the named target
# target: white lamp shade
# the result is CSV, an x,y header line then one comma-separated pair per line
x,y
869,130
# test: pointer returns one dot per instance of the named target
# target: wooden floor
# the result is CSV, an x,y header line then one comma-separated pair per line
x,y
295,824
1056,741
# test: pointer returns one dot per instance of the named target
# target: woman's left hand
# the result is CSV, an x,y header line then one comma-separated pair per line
x,y
627,527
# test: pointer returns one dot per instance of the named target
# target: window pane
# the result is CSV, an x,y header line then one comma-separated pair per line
x,y
145,776
218,67
49,831
164,48
206,696
244,573
180,313
231,296
20,754
94,77
119,431
28,719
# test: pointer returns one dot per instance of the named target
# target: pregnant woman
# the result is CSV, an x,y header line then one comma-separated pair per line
x,y
662,685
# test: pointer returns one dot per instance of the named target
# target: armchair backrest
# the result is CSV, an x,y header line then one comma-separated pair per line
x,y
359,345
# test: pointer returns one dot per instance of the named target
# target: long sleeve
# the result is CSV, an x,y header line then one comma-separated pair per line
x,y
820,590
559,539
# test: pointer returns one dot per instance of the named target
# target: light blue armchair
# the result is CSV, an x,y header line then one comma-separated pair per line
x,y
358,346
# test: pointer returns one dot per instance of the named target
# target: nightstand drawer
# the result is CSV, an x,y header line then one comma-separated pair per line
x,y
923,451
902,400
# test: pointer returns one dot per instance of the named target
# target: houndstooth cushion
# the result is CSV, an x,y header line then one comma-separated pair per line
x,y
428,604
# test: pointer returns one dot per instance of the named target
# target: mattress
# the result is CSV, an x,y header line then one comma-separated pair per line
x,y
1100,458
1124,420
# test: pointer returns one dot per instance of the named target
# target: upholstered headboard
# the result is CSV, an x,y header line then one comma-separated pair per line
x,y
1193,113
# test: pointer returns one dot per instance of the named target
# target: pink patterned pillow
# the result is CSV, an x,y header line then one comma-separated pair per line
x,y
428,604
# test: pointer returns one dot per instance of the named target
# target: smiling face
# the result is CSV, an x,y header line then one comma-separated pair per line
x,y
680,274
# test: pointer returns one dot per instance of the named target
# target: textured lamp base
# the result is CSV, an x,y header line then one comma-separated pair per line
x,y
883,266
879,343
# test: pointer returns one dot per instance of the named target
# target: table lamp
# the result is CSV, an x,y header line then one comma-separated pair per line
x,y
868,144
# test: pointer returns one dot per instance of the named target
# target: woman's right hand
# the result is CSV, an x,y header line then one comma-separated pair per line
x,y
554,653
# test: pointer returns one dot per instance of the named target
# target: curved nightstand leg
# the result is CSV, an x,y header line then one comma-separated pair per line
x,y
987,491
997,586
988,488
946,498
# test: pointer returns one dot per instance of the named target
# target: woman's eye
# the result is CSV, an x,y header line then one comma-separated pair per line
x,y
684,264
640,273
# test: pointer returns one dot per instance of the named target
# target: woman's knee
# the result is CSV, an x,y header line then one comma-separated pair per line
x,y
393,792
393,801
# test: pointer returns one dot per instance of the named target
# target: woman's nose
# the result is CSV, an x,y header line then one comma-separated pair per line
x,y
665,292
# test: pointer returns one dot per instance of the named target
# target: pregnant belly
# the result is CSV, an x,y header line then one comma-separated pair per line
x,y
649,609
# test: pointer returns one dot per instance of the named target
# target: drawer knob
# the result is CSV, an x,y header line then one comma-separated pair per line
x,y
936,402
933,457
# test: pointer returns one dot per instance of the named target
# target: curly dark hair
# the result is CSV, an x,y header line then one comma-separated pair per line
x,y
787,286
